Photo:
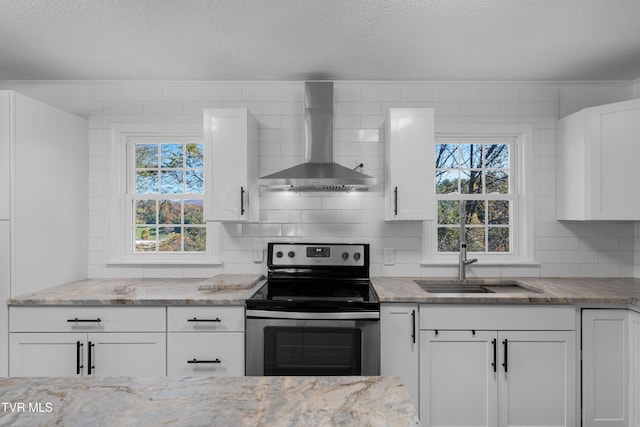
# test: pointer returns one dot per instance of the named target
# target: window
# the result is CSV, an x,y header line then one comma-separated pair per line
x,y
160,195
166,195
480,176
474,181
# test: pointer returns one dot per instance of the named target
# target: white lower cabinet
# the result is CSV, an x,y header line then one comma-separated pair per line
x,y
87,341
634,375
399,345
475,370
611,367
205,341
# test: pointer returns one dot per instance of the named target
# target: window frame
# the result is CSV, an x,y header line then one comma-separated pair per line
x,y
522,194
123,138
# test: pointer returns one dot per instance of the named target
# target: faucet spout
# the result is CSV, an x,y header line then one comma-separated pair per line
x,y
463,262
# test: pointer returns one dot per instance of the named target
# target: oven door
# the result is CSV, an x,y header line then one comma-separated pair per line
x,y
299,346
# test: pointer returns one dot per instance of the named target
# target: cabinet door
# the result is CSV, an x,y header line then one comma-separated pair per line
x,y
5,278
399,345
537,378
604,361
46,355
127,354
5,154
634,377
410,164
457,380
232,140
205,354
614,159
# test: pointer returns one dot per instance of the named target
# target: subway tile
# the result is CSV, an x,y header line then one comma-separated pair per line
x,y
162,107
417,93
182,93
106,92
380,93
262,93
222,93
142,93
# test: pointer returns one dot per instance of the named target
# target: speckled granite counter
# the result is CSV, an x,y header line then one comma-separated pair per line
x,y
619,291
224,289
229,401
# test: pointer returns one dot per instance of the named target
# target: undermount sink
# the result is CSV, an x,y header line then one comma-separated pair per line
x,y
474,287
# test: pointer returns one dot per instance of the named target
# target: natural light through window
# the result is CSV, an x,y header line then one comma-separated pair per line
x,y
482,172
167,197
479,176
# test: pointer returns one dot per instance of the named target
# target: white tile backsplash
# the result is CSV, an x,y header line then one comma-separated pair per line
x,y
561,248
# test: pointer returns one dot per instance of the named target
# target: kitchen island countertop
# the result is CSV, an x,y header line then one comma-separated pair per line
x,y
211,401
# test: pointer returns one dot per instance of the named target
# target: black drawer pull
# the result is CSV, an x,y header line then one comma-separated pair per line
x,y
495,355
241,200
506,353
204,361
90,353
76,320
413,326
79,346
195,319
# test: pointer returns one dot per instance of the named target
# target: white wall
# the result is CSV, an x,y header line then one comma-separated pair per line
x,y
562,249
637,249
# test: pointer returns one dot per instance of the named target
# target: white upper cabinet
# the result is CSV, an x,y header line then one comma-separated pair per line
x,y
5,155
597,161
410,165
232,138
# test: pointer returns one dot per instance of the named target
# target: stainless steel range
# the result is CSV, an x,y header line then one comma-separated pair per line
x,y
317,314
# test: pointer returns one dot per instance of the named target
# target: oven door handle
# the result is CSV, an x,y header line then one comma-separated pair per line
x,y
346,315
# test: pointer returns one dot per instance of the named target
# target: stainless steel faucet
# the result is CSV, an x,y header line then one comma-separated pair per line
x,y
462,260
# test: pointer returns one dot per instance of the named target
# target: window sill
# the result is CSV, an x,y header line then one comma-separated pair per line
x,y
496,263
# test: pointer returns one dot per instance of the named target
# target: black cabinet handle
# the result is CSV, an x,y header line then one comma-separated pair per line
x,y
204,361
413,326
76,320
494,342
79,346
506,352
195,319
241,200
90,367
395,201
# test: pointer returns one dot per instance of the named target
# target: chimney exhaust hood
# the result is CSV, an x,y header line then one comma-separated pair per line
x,y
319,172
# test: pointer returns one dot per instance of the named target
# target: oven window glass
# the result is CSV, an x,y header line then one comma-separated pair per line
x,y
312,351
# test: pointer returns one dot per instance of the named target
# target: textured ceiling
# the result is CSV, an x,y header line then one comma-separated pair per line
x,y
320,39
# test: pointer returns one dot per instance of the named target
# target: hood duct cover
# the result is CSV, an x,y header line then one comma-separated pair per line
x,y
319,172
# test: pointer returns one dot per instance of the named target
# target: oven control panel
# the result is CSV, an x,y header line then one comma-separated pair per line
x,y
302,254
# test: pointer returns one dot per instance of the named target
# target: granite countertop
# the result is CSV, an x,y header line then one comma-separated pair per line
x,y
234,289
220,401
620,291
223,289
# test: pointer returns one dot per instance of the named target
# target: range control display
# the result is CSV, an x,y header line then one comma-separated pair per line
x,y
318,252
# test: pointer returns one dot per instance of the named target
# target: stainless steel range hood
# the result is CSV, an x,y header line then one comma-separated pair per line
x,y
319,172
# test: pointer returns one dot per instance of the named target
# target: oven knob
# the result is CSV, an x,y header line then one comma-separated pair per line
x,y
356,256
345,256
291,254
279,254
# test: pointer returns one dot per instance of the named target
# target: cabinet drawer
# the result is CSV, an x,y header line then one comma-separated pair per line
x,y
492,317
205,319
205,354
87,319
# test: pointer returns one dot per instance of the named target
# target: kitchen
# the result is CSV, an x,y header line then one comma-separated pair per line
x,y
119,102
